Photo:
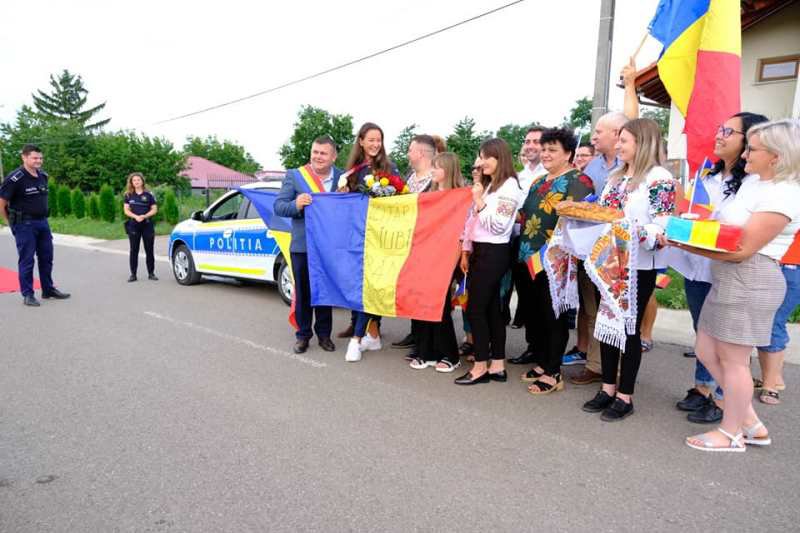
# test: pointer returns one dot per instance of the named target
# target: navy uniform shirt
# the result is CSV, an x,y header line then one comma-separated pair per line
x,y
140,204
26,193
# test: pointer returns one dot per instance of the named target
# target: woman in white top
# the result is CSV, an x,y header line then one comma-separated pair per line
x,y
486,257
703,402
646,192
748,285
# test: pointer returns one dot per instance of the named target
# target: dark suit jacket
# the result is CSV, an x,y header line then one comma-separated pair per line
x,y
285,206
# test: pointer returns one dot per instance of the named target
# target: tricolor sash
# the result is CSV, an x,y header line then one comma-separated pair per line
x,y
308,181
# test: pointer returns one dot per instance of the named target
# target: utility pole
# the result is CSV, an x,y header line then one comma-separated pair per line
x,y
602,73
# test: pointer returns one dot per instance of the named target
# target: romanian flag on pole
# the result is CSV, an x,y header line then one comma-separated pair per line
x,y
700,65
280,229
535,262
697,199
392,256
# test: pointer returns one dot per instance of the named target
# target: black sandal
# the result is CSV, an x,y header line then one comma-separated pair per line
x,y
531,375
546,388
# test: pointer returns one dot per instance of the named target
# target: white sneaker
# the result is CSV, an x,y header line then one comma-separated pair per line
x,y
353,354
370,343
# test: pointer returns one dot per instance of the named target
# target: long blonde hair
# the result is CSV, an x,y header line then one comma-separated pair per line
x,y
649,152
448,161
129,188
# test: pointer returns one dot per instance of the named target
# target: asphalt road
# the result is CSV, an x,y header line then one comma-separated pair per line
x,y
155,407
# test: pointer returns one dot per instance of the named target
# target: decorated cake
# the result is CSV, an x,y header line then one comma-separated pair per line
x,y
707,234
588,211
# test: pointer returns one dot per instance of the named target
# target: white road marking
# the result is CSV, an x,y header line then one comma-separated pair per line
x,y
238,340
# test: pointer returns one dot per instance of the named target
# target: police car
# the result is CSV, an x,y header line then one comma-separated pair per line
x,y
229,239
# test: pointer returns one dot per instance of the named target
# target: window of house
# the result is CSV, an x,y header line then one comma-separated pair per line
x,y
778,68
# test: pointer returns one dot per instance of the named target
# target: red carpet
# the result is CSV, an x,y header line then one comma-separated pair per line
x,y
9,281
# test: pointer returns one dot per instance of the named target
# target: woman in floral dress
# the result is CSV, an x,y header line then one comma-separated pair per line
x,y
562,182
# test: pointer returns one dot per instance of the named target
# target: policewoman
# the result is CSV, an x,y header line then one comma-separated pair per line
x,y
140,208
23,204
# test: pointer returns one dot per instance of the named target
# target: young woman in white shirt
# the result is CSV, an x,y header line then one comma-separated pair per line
x,y
703,402
748,285
486,256
646,192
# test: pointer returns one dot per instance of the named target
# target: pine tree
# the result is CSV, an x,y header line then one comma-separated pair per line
x,y
171,212
67,101
107,203
78,203
94,207
64,201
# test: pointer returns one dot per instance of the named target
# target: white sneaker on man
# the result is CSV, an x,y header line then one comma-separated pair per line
x,y
370,343
353,354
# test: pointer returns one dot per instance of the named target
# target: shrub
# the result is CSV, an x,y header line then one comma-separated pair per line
x,y
93,207
107,200
78,203
64,201
52,196
171,214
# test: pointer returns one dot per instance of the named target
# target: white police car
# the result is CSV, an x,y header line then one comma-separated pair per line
x,y
229,239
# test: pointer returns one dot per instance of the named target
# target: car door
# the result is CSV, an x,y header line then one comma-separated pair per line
x,y
228,243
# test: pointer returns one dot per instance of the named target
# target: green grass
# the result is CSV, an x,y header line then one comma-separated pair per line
x,y
98,229
673,297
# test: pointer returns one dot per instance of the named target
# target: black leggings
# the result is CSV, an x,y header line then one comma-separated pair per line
x,y
632,358
488,264
551,333
146,232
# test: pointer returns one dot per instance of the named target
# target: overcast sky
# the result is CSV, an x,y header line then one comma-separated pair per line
x,y
152,60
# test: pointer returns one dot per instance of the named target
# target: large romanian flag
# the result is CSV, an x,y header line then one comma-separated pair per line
x,y
700,66
280,228
390,256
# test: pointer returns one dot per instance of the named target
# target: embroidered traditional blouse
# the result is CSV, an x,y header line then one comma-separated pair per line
x,y
494,222
648,207
538,212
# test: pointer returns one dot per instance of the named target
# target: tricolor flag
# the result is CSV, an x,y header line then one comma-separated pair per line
x,y
391,256
700,65
697,199
280,229
535,262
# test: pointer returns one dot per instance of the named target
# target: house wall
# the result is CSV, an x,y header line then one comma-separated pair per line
x,y
778,35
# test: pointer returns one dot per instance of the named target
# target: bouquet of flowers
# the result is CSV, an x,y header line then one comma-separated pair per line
x,y
383,184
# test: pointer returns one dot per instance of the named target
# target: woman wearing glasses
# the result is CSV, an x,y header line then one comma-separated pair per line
x,y
747,286
703,402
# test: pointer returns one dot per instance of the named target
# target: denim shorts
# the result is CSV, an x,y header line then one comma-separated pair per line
x,y
780,335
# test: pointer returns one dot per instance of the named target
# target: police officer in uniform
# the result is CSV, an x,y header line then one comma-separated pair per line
x,y
23,204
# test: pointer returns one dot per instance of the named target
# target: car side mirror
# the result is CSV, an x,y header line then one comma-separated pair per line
x,y
198,215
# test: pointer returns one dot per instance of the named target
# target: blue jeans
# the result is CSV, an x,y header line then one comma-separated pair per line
x,y
780,337
696,292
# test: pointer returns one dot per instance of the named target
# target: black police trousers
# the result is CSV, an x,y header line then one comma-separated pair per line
x,y
141,231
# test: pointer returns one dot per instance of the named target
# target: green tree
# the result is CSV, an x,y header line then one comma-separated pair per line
x,y
660,115
67,102
93,207
52,196
399,153
226,153
108,208
171,212
514,135
311,123
465,142
64,201
78,203
580,116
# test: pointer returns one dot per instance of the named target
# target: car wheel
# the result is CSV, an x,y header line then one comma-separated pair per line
x,y
285,283
183,266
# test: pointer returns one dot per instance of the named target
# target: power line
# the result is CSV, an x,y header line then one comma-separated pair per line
x,y
343,65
